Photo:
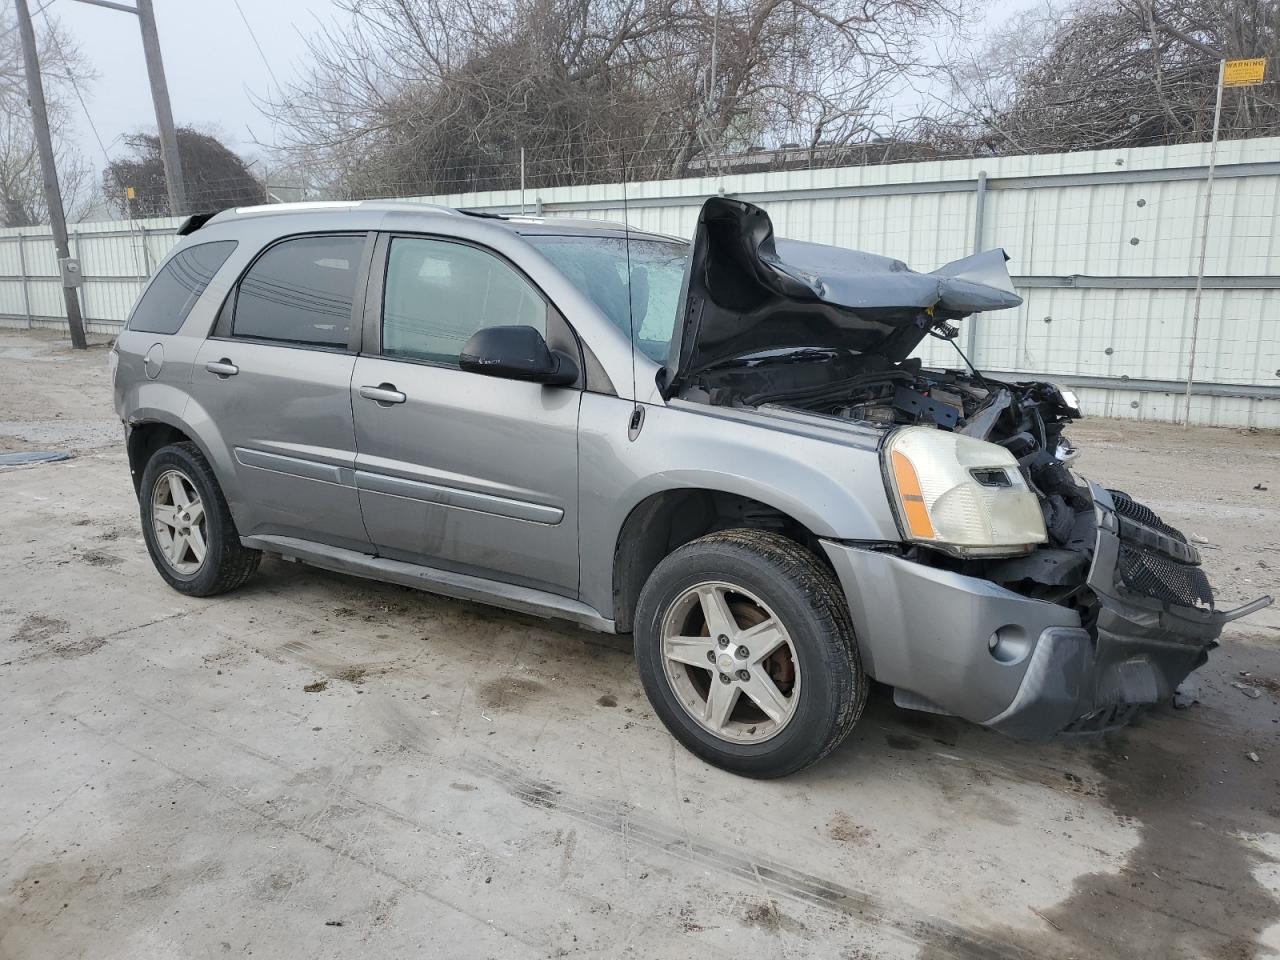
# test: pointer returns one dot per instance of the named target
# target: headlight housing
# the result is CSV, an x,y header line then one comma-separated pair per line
x,y
960,495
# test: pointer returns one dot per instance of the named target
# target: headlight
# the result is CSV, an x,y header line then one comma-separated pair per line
x,y
961,495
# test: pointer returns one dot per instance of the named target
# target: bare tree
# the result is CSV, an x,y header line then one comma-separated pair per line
x,y
21,191
1101,73
429,96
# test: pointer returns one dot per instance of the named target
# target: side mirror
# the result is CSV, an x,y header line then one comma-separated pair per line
x,y
517,353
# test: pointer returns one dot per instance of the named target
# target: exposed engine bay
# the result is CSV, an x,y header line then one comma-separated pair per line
x,y
1026,418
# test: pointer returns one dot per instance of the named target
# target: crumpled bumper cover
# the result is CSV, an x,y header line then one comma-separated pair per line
x,y
931,634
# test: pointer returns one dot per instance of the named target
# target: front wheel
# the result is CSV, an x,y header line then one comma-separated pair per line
x,y
746,651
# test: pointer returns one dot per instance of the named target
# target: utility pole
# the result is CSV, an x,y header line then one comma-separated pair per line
x,y
164,113
159,97
52,192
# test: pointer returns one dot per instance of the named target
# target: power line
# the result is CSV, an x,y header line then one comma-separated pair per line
x,y
254,37
39,10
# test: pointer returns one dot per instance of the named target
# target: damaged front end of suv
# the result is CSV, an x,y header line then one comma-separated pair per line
x,y
1019,595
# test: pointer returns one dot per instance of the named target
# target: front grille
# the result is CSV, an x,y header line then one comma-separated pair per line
x,y
1126,506
1168,571
1155,575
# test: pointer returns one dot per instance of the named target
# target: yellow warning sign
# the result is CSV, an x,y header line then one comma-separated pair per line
x,y
1243,73
130,193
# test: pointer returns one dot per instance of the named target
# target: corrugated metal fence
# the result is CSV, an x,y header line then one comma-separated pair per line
x,y
1104,246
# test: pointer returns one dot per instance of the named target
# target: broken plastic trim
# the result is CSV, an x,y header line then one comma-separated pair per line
x,y
1253,606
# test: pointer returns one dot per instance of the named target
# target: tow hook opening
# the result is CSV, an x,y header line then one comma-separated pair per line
x,y
1009,644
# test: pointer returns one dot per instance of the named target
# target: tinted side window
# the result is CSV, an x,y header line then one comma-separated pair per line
x,y
178,286
438,294
300,291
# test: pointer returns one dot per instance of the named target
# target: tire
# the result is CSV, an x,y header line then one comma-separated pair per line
x,y
225,563
758,574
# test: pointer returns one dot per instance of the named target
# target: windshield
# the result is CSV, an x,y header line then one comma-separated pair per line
x,y
598,267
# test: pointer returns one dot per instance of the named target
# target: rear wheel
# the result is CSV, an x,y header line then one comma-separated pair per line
x,y
187,525
746,651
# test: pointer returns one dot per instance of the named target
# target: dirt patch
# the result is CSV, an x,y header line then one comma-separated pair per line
x,y
508,693
42,637
354,675
277,884
317,686
77,648
96,558
688,920
841,828
608,700
464,787
38,628
767,916
45,890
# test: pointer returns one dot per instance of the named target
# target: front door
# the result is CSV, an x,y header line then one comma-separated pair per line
x,y
458,470
274,381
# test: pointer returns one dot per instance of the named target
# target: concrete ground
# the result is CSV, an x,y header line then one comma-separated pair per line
x,y
323,767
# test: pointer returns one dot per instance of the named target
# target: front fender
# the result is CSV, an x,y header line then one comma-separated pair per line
x,y
828,480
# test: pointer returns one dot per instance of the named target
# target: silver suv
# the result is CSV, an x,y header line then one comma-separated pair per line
x,y
723,448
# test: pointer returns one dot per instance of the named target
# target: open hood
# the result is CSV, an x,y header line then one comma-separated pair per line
x,y
745,292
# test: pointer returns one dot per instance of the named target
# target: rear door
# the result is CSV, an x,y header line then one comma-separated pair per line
x,y
459,470
275,382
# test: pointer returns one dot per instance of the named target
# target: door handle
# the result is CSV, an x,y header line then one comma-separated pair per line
x,y
223,368
384,394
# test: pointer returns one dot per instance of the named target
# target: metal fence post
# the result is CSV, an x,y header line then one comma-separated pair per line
x,y
146,251
979,218
82,293
1204,246
26,290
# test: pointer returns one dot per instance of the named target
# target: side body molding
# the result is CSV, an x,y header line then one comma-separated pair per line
x,y
458,497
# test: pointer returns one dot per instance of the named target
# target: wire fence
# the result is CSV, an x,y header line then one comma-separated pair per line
x,y
1104,249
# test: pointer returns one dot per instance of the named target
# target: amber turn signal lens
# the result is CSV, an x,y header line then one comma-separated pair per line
x,y
913,508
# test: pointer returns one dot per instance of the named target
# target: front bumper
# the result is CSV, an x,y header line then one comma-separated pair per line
x,y
962,645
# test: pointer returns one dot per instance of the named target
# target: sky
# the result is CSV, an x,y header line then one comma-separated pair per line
x,y
213,63
213,66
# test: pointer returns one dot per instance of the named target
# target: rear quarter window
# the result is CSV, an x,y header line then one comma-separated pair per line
x,y
171,295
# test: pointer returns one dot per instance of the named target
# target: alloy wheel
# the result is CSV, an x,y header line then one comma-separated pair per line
x,y
178,519
730,662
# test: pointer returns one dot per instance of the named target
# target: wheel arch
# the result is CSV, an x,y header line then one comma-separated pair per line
x,y
668,519
151,430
